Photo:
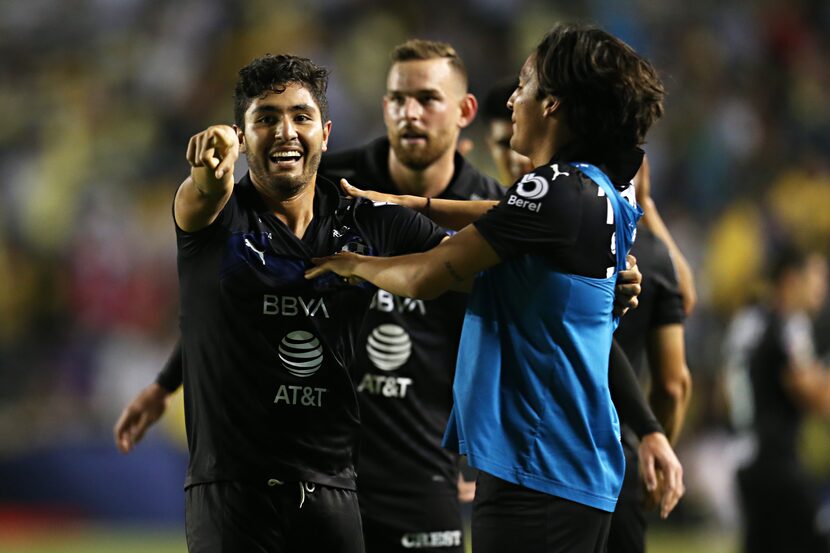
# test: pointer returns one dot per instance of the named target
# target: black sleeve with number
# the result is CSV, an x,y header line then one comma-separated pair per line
x,y
558,212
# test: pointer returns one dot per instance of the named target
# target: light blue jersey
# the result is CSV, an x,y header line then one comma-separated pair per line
x,y
532,404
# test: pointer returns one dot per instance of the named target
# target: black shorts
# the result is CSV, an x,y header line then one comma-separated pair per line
x,y
508,517
424,524
628,524
231,517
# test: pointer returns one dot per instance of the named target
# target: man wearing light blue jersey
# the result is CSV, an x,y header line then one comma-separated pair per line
x,y
532,404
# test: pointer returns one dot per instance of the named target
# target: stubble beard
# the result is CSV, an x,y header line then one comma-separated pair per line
x,y
421,158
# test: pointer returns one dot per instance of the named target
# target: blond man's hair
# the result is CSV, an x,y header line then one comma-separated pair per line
x,y
419,49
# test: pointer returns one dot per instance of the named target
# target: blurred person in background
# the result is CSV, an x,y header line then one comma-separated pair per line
x,y
510,164
779,497
652,335
545,484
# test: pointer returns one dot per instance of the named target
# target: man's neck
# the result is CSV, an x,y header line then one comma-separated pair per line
x,y
549,143
428,182
297,211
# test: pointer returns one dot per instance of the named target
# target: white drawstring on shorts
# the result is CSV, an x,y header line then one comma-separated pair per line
x,y
305,487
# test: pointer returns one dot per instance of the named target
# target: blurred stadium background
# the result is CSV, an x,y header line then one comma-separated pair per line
x,y
99,97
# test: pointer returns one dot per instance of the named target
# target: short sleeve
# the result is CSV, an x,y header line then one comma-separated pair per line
x,y
170,376
191,243
396,230
540,214
668,301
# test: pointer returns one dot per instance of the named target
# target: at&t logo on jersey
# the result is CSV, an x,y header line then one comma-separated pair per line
x,y
302,356
301,353
388,348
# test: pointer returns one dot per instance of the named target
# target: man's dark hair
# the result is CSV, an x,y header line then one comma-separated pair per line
x,y
494,107
419,49
271,74
610,95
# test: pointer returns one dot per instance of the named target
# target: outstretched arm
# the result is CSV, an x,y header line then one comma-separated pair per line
x,y
451,265
212,154
450,214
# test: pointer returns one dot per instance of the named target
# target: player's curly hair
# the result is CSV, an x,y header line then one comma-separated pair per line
x,y
610,95
270,74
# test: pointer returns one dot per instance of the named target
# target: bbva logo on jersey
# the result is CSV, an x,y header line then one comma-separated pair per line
x,y
301,353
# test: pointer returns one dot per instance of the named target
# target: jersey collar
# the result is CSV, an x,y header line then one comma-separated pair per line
x,y
620,166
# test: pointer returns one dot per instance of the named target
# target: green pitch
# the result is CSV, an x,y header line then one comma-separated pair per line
x,y
171,540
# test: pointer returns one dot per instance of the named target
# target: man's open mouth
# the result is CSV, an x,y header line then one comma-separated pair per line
x,y
411,137
285,157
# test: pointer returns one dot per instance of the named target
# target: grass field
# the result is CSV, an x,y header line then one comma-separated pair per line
x,y
90,539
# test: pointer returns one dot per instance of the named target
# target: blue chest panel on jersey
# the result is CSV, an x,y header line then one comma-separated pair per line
x,y
532,404
253,252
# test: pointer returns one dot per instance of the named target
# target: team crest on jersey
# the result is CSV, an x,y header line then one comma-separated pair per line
x,y
355,247
389,347
301,353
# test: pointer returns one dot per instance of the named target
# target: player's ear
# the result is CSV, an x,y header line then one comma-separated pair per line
x,y
326,133
240,135
469,108
551,105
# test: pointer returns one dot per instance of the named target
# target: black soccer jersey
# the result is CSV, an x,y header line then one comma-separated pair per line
x,y
405,361
265,351
786,342
660,301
